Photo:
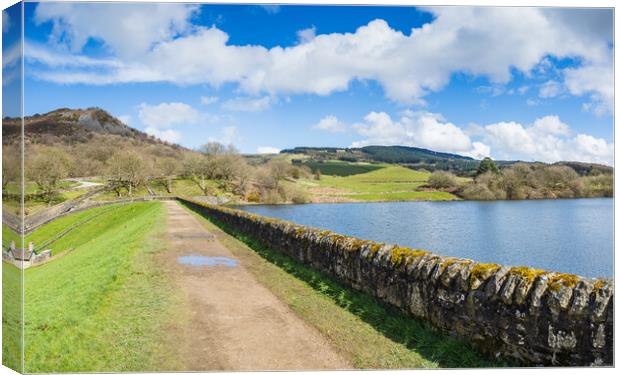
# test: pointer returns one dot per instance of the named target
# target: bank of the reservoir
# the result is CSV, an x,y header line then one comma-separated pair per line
x,y
534,316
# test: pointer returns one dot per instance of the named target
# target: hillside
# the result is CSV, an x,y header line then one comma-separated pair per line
x,y
413,157
420,158
66,126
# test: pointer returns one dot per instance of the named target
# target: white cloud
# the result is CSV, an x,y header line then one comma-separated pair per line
x,y
228,136
6,22
523,89
245,104
550,89
11,55
271,8
597,80
267,150
480,41
495,90
417,129
125,119
166,115
36,52
168,135
129,30
547,140
331,124
306,35
206,100
532,102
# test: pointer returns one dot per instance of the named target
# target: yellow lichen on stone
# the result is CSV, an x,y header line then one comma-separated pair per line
x,y
400,254
598,284
357,244
527,273
556,281
374,248
447,262
482,271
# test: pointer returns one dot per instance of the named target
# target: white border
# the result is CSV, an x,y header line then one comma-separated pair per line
x,y
543,3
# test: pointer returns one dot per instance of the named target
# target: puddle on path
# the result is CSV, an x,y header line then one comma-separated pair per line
x,y
203,260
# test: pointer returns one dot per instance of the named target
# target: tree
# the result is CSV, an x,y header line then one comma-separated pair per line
x,y
128,170
487,165
278,170
48,167
317,174
167,167
10,165
196,169
213,149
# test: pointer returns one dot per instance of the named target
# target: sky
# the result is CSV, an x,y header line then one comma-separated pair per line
x,y
531,84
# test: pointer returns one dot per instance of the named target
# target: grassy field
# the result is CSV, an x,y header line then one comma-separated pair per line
x,y
387,183
103,306
11,316
180,187
32,206
340,168
369,334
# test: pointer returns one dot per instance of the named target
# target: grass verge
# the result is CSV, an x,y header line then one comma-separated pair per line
x,y
369,334
11,316
104,306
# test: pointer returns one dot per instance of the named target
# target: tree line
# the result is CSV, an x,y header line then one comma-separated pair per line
x,y
213,168
526,181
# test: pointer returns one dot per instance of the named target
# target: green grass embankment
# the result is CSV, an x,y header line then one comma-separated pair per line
x,y
103,306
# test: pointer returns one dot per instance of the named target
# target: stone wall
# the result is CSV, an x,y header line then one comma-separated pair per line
x,y
533,316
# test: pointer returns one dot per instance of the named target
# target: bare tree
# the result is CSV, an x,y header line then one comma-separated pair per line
x,y
128,170
167,168
11,165
278,169
48,167
196,169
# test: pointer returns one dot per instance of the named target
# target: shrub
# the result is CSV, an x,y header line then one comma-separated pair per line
x,y
270,196
299,196
442,180
479,192
253,197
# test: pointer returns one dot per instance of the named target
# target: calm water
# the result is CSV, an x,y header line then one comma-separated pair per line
x,y
203,260
570,236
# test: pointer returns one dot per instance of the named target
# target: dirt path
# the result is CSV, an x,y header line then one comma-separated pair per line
x,y
236,323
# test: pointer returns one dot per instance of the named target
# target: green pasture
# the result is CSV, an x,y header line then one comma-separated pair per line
x,y
102,306
389,182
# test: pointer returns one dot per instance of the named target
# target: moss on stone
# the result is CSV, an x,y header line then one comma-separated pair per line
x,y
598,284
527,273
482,271
400,254
558,280
447,262
375,248
338,239
357,244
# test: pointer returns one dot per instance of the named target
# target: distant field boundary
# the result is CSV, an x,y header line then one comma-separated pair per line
x,y
532,316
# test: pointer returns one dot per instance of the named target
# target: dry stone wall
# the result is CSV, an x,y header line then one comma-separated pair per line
x,y
533,316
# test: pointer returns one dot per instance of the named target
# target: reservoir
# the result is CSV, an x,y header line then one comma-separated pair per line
x,y
563,235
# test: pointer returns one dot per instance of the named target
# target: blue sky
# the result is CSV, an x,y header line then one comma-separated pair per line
x,y
511,83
